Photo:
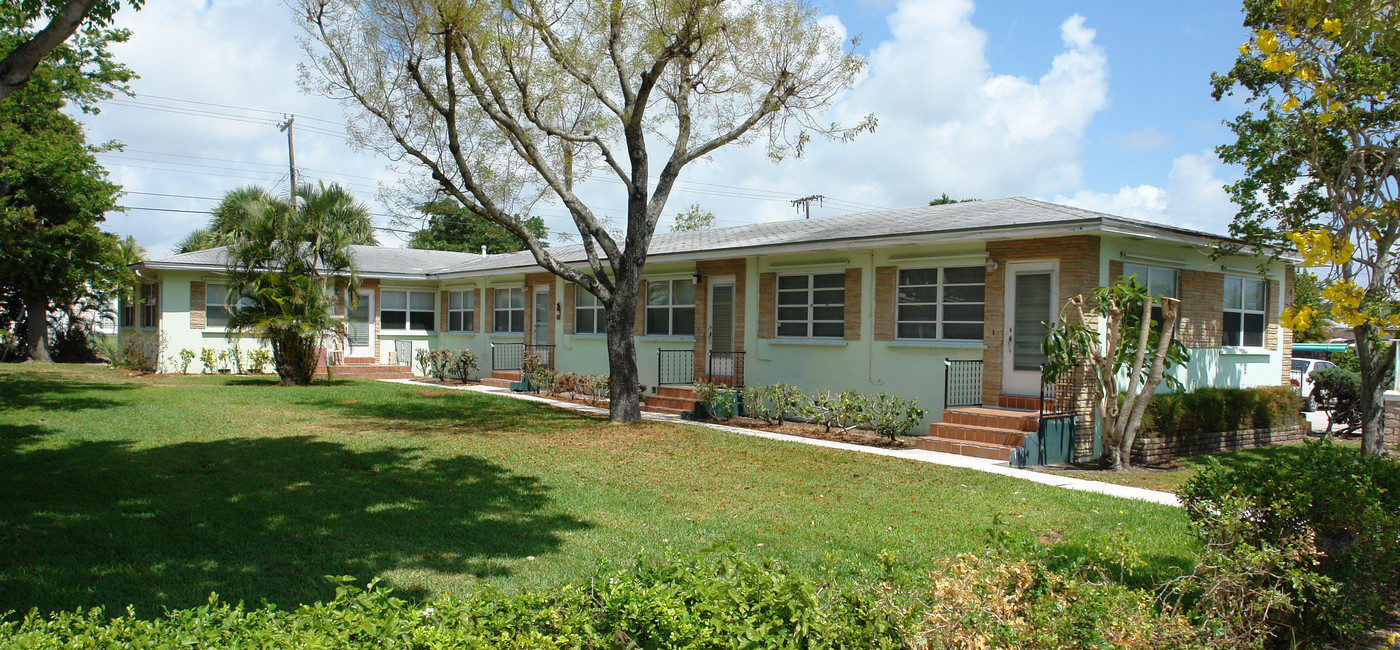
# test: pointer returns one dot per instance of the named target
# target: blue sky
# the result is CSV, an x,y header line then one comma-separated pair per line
x,y
1105,105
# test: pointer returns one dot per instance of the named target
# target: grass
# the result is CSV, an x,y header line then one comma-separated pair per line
x,y
155,491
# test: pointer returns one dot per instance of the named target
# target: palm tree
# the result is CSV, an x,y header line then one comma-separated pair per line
x,y
230,218
290,263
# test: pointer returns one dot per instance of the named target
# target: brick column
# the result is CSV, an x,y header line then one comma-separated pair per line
x,y
197,304
884,302
767,305
851,326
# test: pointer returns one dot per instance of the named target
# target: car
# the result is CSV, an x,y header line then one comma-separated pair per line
x,y
1301,379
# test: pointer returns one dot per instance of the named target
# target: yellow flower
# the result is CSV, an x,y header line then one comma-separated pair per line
x,y
1290,105
1266,41
1332,26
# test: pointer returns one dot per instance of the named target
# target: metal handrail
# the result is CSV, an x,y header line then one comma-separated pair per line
x,y
725,367
967,375
675,367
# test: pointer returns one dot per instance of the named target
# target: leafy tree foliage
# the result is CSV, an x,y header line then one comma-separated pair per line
x,y
1125,349
694,218
945,200
65,17
53,193
454,228
1310,325
501,104
290,265
229,221
1320,149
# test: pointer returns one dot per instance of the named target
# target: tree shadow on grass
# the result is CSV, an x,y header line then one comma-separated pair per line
x,y
48,392
107,524
432,409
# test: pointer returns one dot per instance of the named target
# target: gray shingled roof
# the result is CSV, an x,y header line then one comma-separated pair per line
x,y
991,215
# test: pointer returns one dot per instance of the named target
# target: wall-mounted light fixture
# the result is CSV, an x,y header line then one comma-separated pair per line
x,y
992,265
697,277
558,311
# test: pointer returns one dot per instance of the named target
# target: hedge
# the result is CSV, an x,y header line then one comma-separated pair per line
x,y
1215,410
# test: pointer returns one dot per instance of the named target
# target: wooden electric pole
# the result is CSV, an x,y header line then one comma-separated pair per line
x,y
291,158
804,204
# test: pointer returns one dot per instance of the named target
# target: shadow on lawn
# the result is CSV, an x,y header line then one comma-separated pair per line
x,y
48,393
427,408
103,523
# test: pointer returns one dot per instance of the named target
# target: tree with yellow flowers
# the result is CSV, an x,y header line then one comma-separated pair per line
x,y
1320,143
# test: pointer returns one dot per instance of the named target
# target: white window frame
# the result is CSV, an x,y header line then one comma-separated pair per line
x,y
464,310
809,304
940,321
516,315
126,313
1149,274
222,302
597,314
408,310
1262,312
670,308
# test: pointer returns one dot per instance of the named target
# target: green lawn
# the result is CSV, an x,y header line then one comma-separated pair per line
x,y
155,491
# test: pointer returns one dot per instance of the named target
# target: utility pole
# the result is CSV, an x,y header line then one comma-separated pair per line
x,y
291,158
804,204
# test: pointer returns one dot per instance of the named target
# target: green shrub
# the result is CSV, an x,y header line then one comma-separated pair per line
x,y
1340,389
890,416
258,359
718,400
1211,410
186,357
841,410
1346,503
773,404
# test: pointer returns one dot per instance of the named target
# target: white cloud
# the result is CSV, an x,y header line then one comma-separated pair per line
x,y
1194,197
947,123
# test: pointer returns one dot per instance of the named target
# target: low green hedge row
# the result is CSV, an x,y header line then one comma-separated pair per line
x,y
1213,410
719,600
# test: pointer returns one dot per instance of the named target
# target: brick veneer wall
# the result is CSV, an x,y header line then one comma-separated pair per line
x,y
569,289
1079,273
1202,302
767,299
1155,450
197,298
488,310
1285,334
851,331
707,269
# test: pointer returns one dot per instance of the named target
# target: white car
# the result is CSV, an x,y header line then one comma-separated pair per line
x,y
1301,378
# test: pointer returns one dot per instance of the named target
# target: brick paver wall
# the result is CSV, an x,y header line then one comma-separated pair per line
x,y
197,298
851,331
884,302
767,299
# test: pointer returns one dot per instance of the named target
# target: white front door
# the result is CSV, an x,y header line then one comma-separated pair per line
x,y
360,319
719,344
540,334
1031,289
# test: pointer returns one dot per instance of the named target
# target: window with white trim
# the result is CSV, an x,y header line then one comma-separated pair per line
x,y
1245,299
127,315
150,307
1159,283
946,303
589,316
461,311
406,311
812,305
671,307
219,306
510,310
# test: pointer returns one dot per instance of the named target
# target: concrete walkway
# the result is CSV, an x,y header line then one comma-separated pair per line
x,y
918,455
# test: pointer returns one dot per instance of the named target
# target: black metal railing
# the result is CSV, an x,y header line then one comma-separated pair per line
x,y
962,383
725,368
1060,397
511,356
675,367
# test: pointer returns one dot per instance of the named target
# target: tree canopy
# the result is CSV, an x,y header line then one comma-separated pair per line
x,y
236,214
53,193
500,104
694,218
451,227
1320,146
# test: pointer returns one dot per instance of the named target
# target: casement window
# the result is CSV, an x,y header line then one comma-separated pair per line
x,y
1159,282
461,311
510,310
150,306
671,307
589,316
406,311
1244,312
812,306
220,306
941,303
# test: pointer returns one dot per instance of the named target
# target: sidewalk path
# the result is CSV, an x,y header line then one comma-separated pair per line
x,y
919,455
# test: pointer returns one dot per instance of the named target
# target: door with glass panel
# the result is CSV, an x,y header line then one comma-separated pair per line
x,y
360,322
719,345
1031,294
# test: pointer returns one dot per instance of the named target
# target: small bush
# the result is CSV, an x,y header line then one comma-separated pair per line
x,y
1340,389
186,357
209,359
1346,504
463,362
717,398
1211,410
890,416
258,359
773,404
841,410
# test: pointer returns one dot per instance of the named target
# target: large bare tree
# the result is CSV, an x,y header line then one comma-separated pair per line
x,y
502,103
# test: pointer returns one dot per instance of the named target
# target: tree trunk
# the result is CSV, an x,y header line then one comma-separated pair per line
x,y
623,394
1372,397
36,327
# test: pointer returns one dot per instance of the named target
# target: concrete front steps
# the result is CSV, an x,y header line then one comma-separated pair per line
x,y
985,432
367,369
671,399
501,378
